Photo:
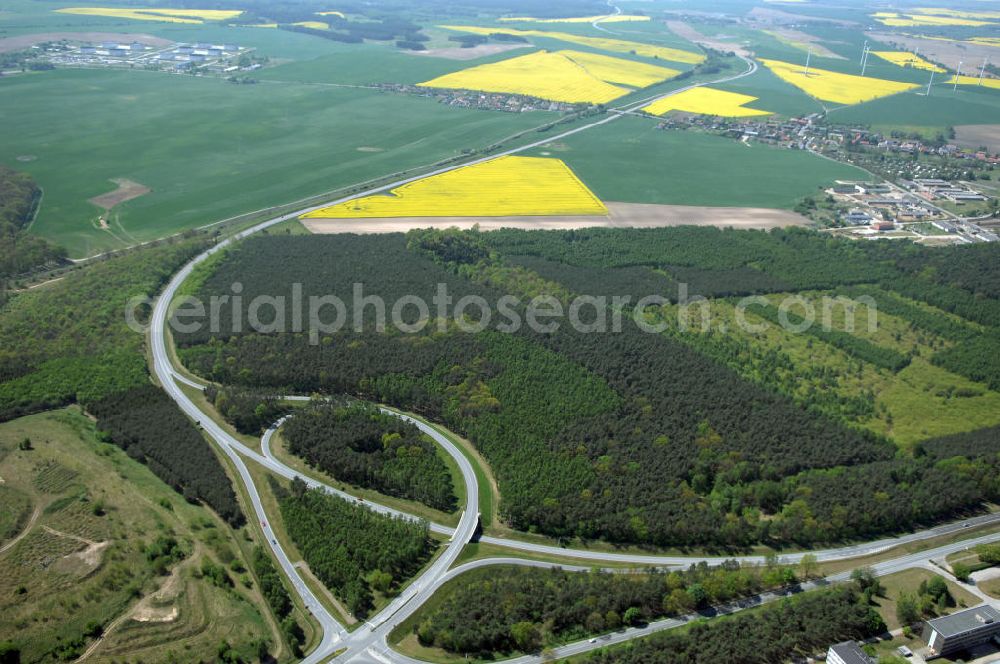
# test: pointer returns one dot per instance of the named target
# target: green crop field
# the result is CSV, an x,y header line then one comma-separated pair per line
x,y
774,94
630,160
365,64
945,107
209,149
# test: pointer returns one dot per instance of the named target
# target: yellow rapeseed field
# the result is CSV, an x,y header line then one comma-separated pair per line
x,y
939,11
974,80
154,14
907,59
982,41
834,86
315,25
706,101
895,20
504,187
567,76
600,43
618,70
607,18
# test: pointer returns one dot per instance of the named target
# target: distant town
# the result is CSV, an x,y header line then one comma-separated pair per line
x,y
931,191
159,55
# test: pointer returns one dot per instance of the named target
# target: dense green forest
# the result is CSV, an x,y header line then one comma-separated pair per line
x,y
711,261
808,623
627,436
69,342
250,411
504,610
21,252
147,424
352,550
276,594
358,444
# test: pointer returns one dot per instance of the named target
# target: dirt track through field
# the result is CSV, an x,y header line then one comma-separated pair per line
x,y
27,528
622,215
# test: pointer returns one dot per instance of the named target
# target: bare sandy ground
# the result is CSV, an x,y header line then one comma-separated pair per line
x,y
459,53
682,29
126,191
779,17
945,52
24,41
622,215
986,574
974,136
814,42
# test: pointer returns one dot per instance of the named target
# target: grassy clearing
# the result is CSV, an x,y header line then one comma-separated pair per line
x,y
991,587
908,581
968,558
83,561
919,402
15,509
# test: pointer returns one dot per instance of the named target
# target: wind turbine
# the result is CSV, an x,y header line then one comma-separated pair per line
x,y
805,72
982,70
864,51
929,84
864,61
958,75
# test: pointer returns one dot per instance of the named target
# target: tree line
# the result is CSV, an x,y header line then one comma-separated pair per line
x,y
358,444
500,611
20,251
250,411
272,587
808,623
147,424
353,550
